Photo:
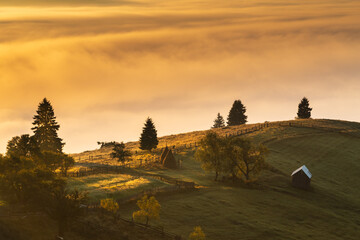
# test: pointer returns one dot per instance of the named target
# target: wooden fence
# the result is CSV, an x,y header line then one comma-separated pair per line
x,y
97,209
246,129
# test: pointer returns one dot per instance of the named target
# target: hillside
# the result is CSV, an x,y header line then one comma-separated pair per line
x,y
271,208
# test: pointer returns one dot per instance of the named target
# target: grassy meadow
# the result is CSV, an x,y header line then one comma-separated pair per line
x,y
270,208
117,186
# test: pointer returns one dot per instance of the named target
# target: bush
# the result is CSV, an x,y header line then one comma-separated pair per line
x,y
110,205
197,234
149,209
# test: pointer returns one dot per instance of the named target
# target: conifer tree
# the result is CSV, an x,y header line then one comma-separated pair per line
x,y
45,128
237,114
304,111
148,138
219,122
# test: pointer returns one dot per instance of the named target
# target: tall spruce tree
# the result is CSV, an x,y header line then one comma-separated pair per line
x,y
45,128
219,122
148,138
304,111
237,114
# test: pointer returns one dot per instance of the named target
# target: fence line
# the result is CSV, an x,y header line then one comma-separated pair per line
x,y
158,229
240,132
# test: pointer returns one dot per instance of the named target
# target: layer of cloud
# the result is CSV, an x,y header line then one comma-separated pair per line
x,y
106,68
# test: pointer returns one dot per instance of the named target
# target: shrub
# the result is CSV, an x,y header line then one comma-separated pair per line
x,y
149,209
197,234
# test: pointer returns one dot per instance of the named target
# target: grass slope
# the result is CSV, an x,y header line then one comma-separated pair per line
x,y
273,209
117,186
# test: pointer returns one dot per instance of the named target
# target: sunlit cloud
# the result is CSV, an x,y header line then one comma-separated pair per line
x,y
107,67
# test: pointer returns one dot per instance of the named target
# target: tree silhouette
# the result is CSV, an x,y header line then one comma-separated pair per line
x,y
19,146
219,122
210,153
120,153
237,114
45,128
148,138
304,111
243,158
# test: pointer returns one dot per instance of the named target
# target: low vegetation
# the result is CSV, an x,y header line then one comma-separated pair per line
x,y
149,209
237,157
197,234
111,206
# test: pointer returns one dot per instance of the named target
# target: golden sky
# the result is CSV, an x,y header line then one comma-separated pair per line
x,y
107,65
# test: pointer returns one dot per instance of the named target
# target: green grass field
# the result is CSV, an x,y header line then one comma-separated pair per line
x,y
273,209
269,209
117,186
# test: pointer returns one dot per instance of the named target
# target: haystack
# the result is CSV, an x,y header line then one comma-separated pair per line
x,y
169,161
163,154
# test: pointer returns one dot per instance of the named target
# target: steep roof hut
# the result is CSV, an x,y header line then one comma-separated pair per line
x,y
169,161
163,154
301,177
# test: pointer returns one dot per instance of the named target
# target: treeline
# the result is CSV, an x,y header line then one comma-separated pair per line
x,y
237,114
148,139
28,171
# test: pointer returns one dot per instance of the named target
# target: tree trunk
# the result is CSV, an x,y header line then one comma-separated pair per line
x,y
216,175
247,176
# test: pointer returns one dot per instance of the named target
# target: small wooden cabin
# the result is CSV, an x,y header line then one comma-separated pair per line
x,y
301,177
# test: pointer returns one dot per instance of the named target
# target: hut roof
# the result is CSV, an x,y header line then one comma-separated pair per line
x,y
304,169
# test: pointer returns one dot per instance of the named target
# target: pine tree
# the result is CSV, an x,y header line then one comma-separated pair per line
x,y
304,111
219,122
148,138
237,114
45,128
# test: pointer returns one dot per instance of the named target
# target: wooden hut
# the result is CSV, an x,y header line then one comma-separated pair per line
x,y
169,160
301,177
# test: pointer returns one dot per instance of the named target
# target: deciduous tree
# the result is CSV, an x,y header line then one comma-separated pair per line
x,y
62,205
210,153
111,206
243,158
149,209
120,153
